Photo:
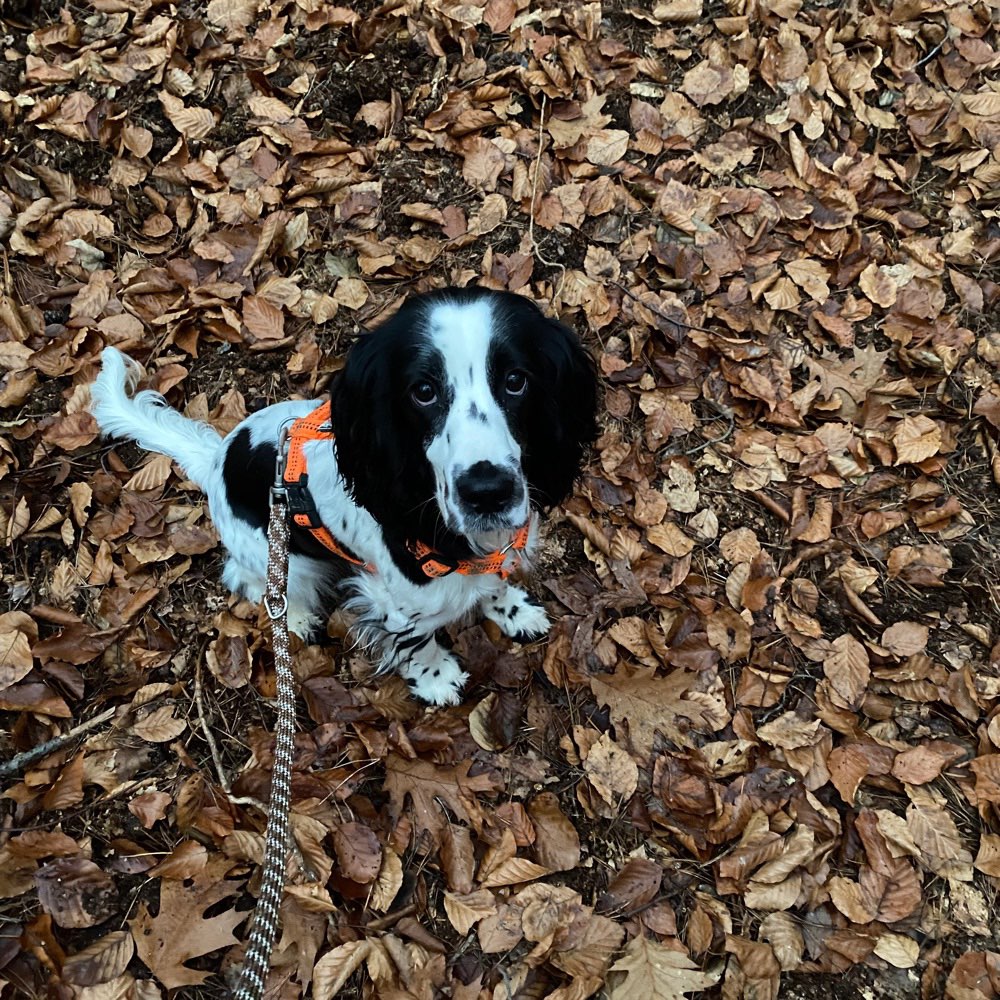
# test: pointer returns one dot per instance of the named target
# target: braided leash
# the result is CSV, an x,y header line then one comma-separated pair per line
x,y
265,924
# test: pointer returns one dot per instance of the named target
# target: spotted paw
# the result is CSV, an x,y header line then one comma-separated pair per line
x,y
517,615
435,676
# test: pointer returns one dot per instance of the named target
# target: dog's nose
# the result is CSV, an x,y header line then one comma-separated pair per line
x,y
485,488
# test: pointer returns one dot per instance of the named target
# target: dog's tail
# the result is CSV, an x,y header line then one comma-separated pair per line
x,y
149,420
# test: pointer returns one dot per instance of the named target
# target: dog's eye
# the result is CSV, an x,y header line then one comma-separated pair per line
x,y
423,393
515,383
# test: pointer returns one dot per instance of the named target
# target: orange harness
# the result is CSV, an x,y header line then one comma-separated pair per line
x,y
295,477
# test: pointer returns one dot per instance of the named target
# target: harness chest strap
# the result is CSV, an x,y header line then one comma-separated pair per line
x,y
316,426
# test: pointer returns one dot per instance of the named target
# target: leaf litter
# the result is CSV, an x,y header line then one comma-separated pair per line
x,y
759,748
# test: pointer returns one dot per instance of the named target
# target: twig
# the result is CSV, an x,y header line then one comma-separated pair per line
x,y
813,552
725,436
206,729
933,52
772,505
22,760
659,312
536,249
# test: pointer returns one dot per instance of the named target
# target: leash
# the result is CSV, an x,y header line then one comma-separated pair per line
x,y
272,881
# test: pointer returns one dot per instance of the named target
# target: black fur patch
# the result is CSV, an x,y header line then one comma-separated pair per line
x,y
248,472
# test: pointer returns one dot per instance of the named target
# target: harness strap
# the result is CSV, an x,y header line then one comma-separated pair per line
x,y
494,563
316,426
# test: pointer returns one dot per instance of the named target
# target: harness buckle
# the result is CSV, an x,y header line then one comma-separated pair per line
x,y
300,503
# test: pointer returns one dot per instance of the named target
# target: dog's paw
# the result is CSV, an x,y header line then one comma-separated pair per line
x,y
306,626
435,676
517,615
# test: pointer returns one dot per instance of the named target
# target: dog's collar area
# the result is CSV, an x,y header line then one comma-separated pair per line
x,y
501,562
292,474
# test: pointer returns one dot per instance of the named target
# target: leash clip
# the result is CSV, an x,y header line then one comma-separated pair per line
x,y
279,491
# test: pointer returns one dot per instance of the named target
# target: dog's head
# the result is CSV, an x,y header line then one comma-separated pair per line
x,y
462,410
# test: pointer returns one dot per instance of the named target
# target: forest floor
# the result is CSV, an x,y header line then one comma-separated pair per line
x,y
760,750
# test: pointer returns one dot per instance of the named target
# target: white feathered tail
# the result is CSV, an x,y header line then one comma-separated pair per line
x,y
149,420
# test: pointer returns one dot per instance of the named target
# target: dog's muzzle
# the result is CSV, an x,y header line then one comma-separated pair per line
x,y
488,490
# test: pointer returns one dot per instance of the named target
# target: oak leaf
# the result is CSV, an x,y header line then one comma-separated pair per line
x,y
423,783
180,931
652,971
644,704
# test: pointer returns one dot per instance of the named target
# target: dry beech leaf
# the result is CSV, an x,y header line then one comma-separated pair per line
x,y
15,657
557,842
611,770
739,545
670,539
191,122
75,892
466,910
846,668
229,660
358,852
898,950
916,438
389,881
159,726
101,961
337,966
905,638
514,871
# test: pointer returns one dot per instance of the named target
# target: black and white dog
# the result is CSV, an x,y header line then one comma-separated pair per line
x,y
452,424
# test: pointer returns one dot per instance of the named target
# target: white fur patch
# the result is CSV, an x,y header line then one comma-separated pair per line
x,y
475,427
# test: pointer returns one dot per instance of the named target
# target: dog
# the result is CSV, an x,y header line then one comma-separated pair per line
x,y
416,486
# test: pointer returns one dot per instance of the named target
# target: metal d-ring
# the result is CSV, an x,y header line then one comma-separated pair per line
x,y
271,613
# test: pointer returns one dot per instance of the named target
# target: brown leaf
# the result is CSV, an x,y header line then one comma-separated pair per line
x,y
150,808
228,657
611,770
358,852
846,667
649,969
422,783
181,931
916,439
644,704
337,966
465,910
159,726
905,638
15,655
636,884
75,892
557,842
264,320
100,962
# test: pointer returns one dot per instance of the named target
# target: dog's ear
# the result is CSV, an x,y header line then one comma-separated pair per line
x,y
360,399
565,405
378,450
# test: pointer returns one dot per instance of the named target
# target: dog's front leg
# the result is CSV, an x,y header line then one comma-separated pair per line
x,y
431,672
515,612
402,638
